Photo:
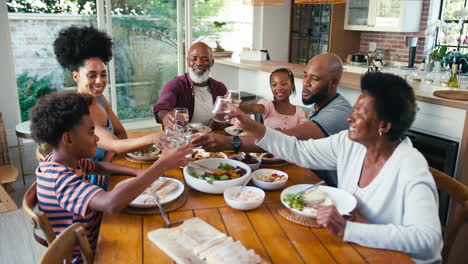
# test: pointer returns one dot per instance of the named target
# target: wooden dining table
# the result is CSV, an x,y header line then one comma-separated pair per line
x,y
123,237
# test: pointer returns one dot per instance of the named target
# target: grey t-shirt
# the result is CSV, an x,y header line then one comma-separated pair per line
x,y
331,119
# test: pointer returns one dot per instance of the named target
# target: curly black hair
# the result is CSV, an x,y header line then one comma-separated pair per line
x,y
394,101
290,75
56,114
75,44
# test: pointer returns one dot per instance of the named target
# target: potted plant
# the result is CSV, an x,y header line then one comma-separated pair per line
x,y
437,56
217,28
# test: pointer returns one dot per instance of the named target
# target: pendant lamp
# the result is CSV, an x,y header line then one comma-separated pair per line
x,y
319,2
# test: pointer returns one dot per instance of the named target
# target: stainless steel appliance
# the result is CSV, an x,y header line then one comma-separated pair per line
x,y
441,154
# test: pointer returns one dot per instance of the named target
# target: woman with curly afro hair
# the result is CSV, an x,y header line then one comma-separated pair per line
x,y
85,51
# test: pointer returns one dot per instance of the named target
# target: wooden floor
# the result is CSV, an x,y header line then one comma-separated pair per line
x,y
17,244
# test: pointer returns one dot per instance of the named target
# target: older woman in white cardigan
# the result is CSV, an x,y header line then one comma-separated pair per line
x,y
375,162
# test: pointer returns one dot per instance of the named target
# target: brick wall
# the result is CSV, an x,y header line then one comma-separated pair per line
x,y
31,43
395,41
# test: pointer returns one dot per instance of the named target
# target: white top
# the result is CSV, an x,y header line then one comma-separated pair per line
x,y
203,106
401,202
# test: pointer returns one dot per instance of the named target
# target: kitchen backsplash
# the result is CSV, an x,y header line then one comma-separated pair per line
x,y
395,41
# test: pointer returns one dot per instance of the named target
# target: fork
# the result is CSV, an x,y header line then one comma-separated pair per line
x,y
164,215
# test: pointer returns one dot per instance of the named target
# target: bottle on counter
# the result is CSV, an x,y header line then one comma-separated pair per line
x,y
453,81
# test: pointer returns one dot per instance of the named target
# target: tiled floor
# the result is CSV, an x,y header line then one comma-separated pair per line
x,y
17,244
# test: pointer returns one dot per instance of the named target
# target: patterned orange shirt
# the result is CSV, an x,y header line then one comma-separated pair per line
x,y
64,195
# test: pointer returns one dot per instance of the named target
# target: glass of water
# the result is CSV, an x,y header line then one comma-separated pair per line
x,y
221,108
234,96
181,117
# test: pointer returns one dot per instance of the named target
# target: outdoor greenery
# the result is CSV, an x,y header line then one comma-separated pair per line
x,y
30,88
145,43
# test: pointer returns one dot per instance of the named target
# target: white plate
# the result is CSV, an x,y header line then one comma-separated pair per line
x,y
231,131
144,157
138,201
343,200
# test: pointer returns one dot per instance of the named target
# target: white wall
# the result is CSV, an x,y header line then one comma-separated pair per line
x,y
9,92
271,30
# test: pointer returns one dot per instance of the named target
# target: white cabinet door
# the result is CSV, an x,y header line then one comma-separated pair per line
x,y
357,16
383,15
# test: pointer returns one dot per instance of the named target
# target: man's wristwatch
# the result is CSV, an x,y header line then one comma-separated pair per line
x,y
236,143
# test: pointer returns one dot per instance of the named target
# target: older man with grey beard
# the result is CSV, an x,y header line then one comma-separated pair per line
x,y
194,90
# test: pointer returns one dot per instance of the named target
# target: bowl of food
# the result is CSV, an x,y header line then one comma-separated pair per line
x,y
295,199
198,129
151,153
236,131
268,158
247,199
200,154
229,173
269,179
252,161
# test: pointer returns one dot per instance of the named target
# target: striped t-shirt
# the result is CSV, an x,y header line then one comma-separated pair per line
x,y
64,195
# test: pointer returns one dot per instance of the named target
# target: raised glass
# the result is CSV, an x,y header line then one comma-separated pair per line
x,y
221,108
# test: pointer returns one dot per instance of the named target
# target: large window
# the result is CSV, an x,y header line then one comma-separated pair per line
x,y
146,44
453,28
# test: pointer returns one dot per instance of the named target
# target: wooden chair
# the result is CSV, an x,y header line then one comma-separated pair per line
x,y
62,247
37,219
459,194
8,172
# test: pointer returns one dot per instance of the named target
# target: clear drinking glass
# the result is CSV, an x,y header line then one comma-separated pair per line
x,y
181,117
174,135
234,96
221,108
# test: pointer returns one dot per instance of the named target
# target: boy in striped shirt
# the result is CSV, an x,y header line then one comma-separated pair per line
x,y
65,196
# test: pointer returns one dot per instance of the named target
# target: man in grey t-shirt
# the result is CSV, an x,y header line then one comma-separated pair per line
x,y
328,116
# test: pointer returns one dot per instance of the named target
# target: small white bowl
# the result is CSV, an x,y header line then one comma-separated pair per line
x,y
268,185
239,205
252,166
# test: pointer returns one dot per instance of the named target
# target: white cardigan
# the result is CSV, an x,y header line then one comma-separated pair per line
x,y
401,202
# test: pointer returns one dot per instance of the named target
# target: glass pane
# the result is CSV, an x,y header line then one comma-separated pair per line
x,y
464,40
358,12
388,13
145,53
449,34
449,7
236,24
34,26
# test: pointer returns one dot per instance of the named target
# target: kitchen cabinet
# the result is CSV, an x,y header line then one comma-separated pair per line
x,y
383,15
319,28
310,27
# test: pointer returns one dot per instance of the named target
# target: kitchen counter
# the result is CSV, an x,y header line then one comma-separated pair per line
x,y
349,80
440,117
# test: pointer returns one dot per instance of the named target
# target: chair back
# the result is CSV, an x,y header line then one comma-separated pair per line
x,y
37,219
4,152
459,194
62,248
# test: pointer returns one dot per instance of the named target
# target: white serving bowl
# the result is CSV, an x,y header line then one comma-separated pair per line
x,y
252,166
216,187
269,185
240,205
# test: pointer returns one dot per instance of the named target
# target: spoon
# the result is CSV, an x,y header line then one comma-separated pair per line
x,y
316,185
242,187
